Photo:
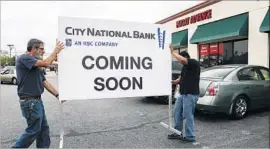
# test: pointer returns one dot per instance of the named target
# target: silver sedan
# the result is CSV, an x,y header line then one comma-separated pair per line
x,y
234,89
8,75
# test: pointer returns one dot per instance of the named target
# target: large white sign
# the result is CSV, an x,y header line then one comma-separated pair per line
x,y
113,59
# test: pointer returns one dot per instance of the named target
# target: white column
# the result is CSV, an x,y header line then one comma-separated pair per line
x,y
192,48
258,47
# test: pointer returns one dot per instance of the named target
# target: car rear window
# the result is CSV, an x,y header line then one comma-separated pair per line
x,y
216,72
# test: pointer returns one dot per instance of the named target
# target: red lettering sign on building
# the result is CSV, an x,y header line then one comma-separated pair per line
x,y
195,18
213,48
204,50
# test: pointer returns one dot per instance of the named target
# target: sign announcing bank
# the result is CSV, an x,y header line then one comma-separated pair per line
x,y
113,59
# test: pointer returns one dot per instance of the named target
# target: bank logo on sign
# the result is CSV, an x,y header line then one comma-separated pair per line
x,y
161,38
68,42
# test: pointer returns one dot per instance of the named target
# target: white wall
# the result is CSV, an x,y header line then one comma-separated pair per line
x,y
258,47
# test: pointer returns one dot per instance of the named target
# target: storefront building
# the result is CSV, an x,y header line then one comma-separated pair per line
x,y
220,32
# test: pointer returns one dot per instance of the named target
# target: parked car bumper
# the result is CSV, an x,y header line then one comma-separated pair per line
x,y
206,103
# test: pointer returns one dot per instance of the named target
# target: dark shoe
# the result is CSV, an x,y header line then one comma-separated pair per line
x,y
174,136
185,139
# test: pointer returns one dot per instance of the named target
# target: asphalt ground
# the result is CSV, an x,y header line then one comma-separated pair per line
x,y
129,123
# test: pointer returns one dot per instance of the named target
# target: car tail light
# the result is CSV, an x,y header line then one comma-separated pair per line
x,y
212,89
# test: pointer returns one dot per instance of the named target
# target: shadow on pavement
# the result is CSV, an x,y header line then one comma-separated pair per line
x,y
220,117
151,100
259,112
203,116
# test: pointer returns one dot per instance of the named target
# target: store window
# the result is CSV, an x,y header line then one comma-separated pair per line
x,y
211,54
228,53
204,54
178,50
214,56
232,52
241,52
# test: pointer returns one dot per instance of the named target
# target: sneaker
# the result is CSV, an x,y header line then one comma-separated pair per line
x,y
185,139
175,136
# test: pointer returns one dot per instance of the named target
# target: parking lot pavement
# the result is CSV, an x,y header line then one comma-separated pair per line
x,y
130,123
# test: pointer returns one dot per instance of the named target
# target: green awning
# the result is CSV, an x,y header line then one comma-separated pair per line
x,y
235,27
265,26
180,39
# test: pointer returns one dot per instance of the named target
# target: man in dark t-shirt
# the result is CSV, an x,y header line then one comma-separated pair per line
x,y
181,88
189,89
31,84
30,79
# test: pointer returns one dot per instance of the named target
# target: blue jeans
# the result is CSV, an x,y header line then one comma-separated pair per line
x,y
184,109
37,125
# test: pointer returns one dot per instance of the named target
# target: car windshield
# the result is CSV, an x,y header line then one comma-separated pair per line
x,y
220,72
176,65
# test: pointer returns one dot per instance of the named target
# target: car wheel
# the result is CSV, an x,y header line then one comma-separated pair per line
x,y
240,107
14,81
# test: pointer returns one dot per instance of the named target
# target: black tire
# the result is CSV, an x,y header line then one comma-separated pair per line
x,y
14,81
240,107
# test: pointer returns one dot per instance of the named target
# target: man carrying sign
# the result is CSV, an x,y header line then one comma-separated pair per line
x,y
31,83
189,89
